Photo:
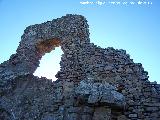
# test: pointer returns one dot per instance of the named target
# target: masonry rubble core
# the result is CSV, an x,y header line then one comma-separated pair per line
x,y
93,83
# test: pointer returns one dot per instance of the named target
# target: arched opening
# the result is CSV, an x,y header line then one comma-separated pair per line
x,y
49,64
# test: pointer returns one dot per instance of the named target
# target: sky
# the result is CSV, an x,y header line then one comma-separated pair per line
x,y
122,25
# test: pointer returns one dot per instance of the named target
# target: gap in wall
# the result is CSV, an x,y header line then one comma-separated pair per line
x,y
49,64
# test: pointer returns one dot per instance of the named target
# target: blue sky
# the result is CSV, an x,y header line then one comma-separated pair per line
x,y
135,28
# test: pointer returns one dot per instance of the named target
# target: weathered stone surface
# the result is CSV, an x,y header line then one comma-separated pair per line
x,y
133,116
102,113
98,93
122,117
93,83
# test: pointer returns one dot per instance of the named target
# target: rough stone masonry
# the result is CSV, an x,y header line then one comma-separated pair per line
x,y
93,83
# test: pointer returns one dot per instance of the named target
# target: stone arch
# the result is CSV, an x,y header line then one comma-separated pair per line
x,y
51,55
41,38
48,45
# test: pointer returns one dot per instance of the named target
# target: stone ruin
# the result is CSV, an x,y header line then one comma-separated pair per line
x,y
93,83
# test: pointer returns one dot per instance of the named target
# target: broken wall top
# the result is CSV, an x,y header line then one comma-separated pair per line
x,y
39,39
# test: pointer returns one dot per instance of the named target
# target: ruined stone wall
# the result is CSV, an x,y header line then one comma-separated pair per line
x,y
93,83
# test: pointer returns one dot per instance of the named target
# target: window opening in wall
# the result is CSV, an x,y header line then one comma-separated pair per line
x,y
50,64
